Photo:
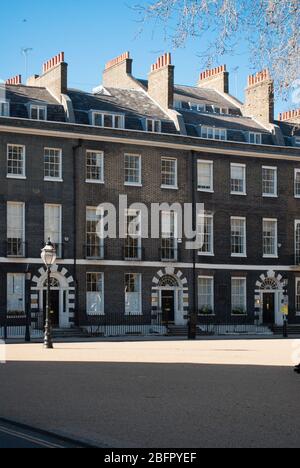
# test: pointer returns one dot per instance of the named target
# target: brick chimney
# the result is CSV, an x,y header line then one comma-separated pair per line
x,y
54,77
161,82
16,80
118,73
292,116
217,78
259,99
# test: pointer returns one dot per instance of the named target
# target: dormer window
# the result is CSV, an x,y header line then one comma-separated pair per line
x,y
38,112
197,107
153,126
4,109
108,120
255,138
213,133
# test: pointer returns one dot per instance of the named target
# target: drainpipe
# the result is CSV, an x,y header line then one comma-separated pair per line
x,y
194,314
75,149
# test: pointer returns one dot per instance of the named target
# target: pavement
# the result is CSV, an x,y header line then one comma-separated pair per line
x,y
158,393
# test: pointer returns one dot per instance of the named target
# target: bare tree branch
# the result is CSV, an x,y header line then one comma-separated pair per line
x,y
271,28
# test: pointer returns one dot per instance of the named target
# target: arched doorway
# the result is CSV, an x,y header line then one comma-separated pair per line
x,y
62,298
170,296
269,298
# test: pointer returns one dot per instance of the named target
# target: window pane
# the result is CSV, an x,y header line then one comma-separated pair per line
x,y
16,160
15,293
53,226
15,230
94,243
52,163
169,176
94,166
239,296
297,183
132,169
269,181
238,179
205,176
95,293
133,294
238,236
206,296
270,237
205,231
297,243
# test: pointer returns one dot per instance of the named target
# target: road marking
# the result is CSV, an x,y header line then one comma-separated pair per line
x,y
29,438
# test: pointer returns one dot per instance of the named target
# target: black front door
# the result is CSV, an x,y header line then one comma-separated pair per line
x,y
54,307
168,306
269,309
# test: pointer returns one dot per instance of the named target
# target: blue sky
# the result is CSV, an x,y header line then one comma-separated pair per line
x,y
91,32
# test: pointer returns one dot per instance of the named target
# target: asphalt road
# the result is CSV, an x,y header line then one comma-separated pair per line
x,y
14,436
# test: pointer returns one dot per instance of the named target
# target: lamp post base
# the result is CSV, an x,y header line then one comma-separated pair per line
x,y
48,344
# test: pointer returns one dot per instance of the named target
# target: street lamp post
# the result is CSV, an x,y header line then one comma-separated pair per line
x,y
48,256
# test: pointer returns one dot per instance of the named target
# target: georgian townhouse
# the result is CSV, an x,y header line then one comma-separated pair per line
x,y
64,152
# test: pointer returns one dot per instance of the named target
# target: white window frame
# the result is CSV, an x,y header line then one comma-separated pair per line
x,y
205,130
297,171
244,167
4,102
19,275
133,184
59,254
90,313
23,239
113,115
297,280
257,137
239,278
211,164
175,186
140,312
153,123
275,221
212,279
212,243
275,170
297,141
38,108
297,254
59,178
17,176
172,217
244,254
95,181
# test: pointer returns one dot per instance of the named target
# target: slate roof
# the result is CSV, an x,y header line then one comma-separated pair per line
x,y
206,96
20,96
136,105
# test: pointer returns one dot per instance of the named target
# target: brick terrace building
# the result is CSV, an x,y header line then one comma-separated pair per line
x,y
64,151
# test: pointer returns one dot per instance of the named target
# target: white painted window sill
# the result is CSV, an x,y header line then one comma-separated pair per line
x,y
239,193
98,182
128,184
169,187
206,190
266,195
18,177
206,254
52,179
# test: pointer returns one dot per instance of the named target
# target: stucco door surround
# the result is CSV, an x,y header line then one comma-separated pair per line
x,y
170,279
66,287
270,283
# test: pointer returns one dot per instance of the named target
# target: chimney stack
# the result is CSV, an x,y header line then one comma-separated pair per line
x,y
292,116
16,80
216,78
259,100
161,82
118,73
54,77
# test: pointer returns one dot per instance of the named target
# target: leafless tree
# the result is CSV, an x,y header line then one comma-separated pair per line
x,y
270,28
